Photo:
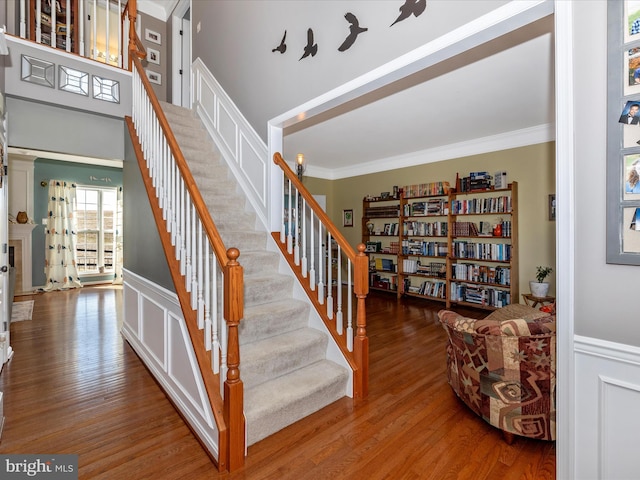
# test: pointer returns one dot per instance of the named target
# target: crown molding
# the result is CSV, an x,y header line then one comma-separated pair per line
x,y
161,11
504,141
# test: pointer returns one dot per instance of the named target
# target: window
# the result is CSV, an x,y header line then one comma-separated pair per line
x,y
95,216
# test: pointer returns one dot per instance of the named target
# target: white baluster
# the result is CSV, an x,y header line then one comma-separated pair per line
x,y
329,279
68,32
38,23
312,267
200,281
207,298
349,309
215,321
289,224
303,218
94,24
339,293
23,19
296,247
282,213
320,265
194,257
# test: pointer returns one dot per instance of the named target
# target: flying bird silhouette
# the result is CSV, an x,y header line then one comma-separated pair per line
x,y
283,46
354,30
415,7
310,48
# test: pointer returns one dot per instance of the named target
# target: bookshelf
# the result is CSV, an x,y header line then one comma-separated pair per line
x,y
380,229
448,246
482,261
422,260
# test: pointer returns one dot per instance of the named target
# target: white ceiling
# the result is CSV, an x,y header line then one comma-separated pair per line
x,y
497,95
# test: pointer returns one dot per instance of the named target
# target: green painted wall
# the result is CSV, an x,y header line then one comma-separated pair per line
x,y
533,167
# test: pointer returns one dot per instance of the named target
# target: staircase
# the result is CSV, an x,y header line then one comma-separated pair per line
x,y
283,362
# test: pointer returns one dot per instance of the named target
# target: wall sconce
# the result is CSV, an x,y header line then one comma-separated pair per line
x,y
300,165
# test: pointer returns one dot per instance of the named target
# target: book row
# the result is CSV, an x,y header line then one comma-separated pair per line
x,y
485,296
481,251
425,229
426,249
429,288
481,273
433,207
424,189
500,204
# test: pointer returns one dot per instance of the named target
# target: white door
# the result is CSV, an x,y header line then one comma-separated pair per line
x,y
5,297
181,54
186,62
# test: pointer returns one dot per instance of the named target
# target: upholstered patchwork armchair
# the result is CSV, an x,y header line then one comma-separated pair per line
x,y
504,368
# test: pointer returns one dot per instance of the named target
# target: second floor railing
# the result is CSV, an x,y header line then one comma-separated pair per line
x,y
61,24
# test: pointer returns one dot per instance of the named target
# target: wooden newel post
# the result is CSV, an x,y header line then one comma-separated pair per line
x,y
361,342
233,388
133,12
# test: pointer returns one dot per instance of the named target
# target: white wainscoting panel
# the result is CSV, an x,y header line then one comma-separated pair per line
x,y
228,130
241,147
155,329
607,417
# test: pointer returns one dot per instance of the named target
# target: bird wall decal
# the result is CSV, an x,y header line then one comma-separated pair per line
x,y
415,7
354,30
310,48
283,46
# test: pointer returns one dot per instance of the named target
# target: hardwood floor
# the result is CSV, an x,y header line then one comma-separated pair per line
x,y
75,386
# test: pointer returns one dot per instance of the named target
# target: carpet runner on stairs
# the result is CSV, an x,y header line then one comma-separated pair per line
x,y
283,365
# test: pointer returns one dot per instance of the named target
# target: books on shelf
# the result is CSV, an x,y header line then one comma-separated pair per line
x,y
423,248
501,204
481,273
500,252
425,229
426,189
390,211
479,294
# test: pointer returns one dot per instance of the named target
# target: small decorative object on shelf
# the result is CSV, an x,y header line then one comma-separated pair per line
x,y
22,217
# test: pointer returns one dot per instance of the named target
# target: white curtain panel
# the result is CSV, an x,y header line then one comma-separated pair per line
x,y
60,256
117,257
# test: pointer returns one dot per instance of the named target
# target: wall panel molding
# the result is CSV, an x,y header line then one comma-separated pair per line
x,y
608,390
154,327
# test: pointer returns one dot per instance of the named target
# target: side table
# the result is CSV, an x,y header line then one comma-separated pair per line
x,y
533,301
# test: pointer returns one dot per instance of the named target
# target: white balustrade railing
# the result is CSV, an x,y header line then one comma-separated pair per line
x,y
322,260
60,24
202,270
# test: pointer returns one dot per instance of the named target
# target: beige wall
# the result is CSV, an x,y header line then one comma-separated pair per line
x,y
533,167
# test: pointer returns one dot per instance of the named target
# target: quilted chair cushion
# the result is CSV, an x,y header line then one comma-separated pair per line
x,y
505,370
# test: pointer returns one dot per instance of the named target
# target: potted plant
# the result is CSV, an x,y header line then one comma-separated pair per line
x,y
540,288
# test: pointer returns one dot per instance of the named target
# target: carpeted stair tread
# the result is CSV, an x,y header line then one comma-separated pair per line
x,y
259,262
244,240
273,405
279,355
266,320
259,289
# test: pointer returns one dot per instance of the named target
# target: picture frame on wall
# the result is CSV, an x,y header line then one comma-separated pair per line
x,y
152,36
153,56
154,77
347,218
552,207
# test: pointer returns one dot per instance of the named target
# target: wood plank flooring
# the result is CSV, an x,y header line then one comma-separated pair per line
x,y
75,386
